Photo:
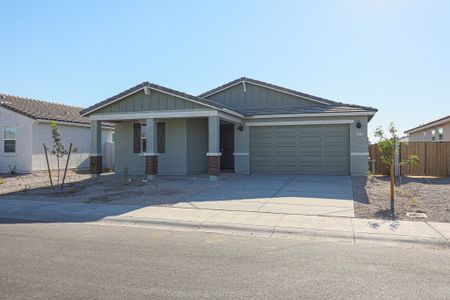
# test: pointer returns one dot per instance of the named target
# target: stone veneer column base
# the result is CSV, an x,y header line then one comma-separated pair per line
x,y
151,166
213,167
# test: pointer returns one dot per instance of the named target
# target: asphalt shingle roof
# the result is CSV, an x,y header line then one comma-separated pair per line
x,y
39,109
283,110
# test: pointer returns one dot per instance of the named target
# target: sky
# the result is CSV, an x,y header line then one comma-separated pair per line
x,y
393,55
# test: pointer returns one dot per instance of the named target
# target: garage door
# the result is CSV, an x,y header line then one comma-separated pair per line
x,y
321,149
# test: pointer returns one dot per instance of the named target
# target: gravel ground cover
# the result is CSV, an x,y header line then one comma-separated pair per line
x,y
422,195
107,188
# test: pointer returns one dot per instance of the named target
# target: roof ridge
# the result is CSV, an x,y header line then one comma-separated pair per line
x,y
40,100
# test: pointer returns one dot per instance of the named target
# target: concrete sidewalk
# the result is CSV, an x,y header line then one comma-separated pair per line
x,y
265,224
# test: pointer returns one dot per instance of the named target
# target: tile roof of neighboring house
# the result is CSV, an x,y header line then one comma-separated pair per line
x,y
153,86
283,110
430,124
39,109
43,110
281,89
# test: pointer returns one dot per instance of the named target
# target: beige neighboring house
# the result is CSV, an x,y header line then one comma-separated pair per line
x,y
25,126
435,131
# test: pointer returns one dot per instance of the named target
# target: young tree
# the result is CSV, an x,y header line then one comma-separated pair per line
x,y
58,149
388,147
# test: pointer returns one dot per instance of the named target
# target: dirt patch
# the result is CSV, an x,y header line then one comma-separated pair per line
x,y
418,195
107,188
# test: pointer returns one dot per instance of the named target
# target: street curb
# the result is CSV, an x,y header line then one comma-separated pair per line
x,y
269,231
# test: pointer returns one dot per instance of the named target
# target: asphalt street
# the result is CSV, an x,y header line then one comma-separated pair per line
x,y
79,260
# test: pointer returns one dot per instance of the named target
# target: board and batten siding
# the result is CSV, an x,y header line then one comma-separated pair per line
x,y
257,96
156,101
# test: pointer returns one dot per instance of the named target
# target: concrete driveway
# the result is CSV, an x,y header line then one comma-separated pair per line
x,y
296,194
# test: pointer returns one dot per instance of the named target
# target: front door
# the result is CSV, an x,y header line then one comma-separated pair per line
x,y
227,146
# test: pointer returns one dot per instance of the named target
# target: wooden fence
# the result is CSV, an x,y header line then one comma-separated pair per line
x,y
434,159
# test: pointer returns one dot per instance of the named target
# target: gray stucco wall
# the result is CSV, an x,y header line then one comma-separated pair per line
x,y
124,156
242,150
173,162
256,96
156,101
197,146
185,149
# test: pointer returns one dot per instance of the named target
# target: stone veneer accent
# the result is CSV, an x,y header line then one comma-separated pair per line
x,y
96,164
213,165
151,165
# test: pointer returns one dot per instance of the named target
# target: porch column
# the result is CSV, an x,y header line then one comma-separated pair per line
x,y
96,147
213,147
151,156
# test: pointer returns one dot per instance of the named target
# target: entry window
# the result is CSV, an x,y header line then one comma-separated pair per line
x,y
161,137
433,134
144,138
441,133
137,137
9,140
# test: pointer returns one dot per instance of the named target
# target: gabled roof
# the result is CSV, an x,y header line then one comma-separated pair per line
x,y
160,88
430,124
282,90
43,110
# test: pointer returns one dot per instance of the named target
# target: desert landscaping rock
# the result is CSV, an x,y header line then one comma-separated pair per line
x,y
420,196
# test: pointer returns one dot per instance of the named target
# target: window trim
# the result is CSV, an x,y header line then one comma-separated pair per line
x,y
441,133
9,139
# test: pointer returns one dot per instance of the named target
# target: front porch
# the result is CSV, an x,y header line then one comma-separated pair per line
x,y
174,143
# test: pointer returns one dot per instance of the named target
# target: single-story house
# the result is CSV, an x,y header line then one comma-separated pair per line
x,y
434,131
25,127
246,126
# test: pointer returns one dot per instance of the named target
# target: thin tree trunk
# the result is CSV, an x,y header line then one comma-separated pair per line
x,y
67,165
48,165
57,159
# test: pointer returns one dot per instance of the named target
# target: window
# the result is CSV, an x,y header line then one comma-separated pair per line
x,y
9,140
433,134
144,138
137,138
161,137
140,138
441,133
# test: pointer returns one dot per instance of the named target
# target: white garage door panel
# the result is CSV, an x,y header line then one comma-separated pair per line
x,y
322,149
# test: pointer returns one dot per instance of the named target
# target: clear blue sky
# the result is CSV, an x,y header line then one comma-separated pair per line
x,y
390,54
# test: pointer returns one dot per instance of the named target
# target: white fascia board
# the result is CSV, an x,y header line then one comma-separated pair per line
x,y
41,121
428,126
225,88
229,117
151,88
154,114
290,123
312,115
109,103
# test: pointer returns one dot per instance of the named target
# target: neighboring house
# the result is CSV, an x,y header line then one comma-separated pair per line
x,y
435,131
25,126
404,139
246,126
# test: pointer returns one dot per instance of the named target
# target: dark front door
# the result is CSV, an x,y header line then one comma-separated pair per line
x,y
227,146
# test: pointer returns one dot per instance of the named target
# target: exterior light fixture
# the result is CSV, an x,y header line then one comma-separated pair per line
x,y
240,128
358,124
